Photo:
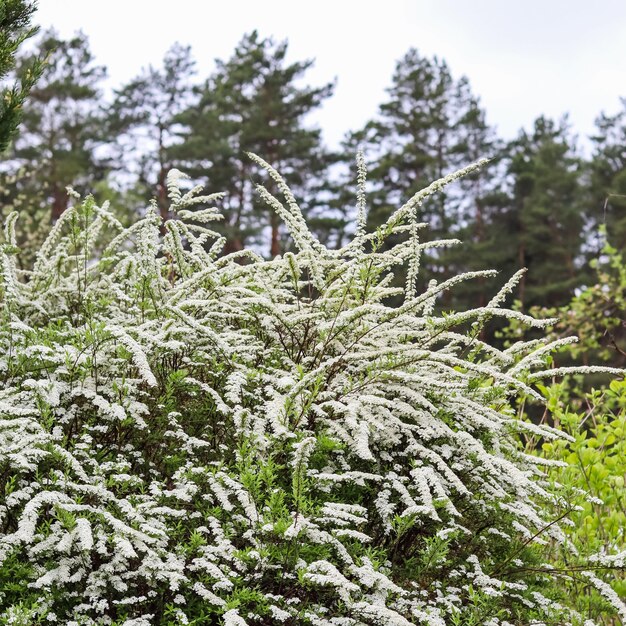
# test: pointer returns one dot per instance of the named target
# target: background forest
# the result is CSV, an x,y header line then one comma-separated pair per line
x,y
538,193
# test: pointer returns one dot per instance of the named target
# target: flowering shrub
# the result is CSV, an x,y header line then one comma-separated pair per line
x,y
189,438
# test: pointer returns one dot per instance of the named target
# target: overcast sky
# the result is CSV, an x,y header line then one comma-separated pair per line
x,y
523,58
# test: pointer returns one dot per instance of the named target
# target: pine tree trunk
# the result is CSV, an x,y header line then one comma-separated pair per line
x,y
59,203
479,237
275,246
521,258
233,244
162,196
162,200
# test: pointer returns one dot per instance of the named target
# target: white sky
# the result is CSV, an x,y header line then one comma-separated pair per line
x,y
523,57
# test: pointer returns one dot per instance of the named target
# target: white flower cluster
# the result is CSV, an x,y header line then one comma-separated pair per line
x,y
185,434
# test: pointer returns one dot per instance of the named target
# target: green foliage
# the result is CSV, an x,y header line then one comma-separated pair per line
x,y
598,314
591,478
592,483
15,28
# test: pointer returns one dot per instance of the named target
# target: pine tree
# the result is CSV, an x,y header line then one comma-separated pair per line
x,y
141,118
253,103
335,220
15,28
411,135
476,208
63,124
545,217
430,124
607,188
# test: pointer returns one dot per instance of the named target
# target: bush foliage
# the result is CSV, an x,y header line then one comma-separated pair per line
x,y
189,438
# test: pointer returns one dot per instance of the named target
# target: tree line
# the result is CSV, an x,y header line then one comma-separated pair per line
x,y
538,203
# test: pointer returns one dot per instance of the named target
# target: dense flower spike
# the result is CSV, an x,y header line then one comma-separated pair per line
x,y
189,438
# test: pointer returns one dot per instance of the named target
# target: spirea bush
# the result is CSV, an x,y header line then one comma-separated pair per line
x,y
189,438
